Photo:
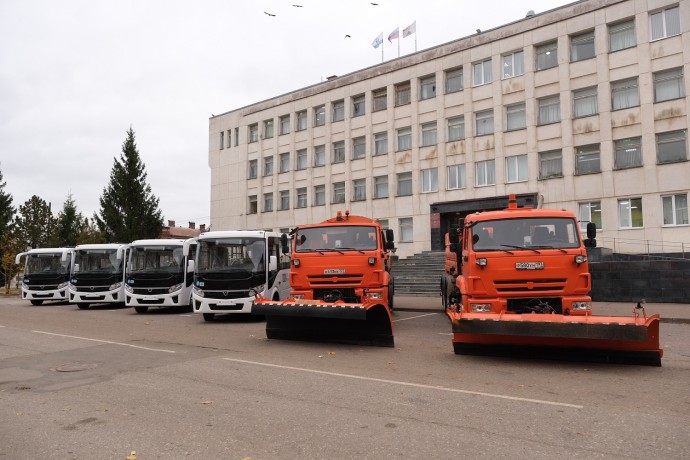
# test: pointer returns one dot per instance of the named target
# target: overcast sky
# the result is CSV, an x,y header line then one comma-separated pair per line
x,y
76,74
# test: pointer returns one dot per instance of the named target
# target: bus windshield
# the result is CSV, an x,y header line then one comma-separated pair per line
x,y
336,238
232,255
98,260
167,259
47,263
525,233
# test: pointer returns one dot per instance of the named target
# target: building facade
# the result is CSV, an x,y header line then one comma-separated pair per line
x,y
584,107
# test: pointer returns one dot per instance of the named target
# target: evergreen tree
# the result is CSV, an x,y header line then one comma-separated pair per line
x,y
129,210
8,246
89,233
69,224
6,209
35,223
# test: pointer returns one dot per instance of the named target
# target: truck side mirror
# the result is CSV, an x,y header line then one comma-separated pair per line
x,y
590,243
591,230
390,237
284,243
453,232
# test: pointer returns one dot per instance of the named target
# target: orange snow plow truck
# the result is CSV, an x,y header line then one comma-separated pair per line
x,y
517,282
341,284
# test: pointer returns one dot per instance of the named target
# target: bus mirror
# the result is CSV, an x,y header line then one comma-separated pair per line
x,y
272,264
190,266
75,269
284,243
591,230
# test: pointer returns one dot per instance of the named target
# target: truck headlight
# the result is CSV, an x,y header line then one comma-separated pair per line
x,y
580,259
374,295
114,287
482,262
480,307
297,297
581,306
174,288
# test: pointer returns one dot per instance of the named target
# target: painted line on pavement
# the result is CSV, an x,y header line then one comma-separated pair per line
x,y
105,341
409,384
414,317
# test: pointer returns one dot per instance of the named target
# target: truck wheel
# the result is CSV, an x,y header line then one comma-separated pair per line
x,y
83,306
141,309
36,302
391,295
209,316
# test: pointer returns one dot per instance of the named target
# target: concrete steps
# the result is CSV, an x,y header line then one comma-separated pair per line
x,y
420,274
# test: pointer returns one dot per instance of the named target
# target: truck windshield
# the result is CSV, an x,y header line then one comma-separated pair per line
x,y
98,261
231,255
168,259
525,233
47,263
337,238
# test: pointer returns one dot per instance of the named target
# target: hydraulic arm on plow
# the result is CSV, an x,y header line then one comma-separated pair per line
x,y
341,284
517,282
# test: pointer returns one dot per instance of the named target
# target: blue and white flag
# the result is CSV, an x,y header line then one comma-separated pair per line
x,y
378,41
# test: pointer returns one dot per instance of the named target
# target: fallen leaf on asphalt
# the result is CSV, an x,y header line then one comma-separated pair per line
x,y
332,353
207,402
320,356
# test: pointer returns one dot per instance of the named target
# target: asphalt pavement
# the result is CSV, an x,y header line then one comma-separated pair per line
x,y
678,313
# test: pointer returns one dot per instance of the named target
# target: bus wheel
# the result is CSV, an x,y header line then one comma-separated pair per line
x,y
141,309
209,316
36,302
83,306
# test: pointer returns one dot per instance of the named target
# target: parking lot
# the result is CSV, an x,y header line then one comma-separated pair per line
x,y
103,382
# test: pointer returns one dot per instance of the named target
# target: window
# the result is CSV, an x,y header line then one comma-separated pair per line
x,y
622,36
359,190
482,72
665,23
381,187
404,184
582,46
383,223
284,162
516,117
359,147
671,147
268,129
284,200
338,192
254,132
268,166
630,213
456,177
625,94
456,128
268,202
339,110
339,152
229,136
668,85
587,159
301,159
320,115
319,195
285,124
547,55
358,108
381,143
404,138
590,212
406,230
484,122
222,140
429,134
513,64
628,153
301,197
675,209
550,164
380,97
428,87
402,93
454,80
301,120
485,173
237,136
319,155
585,102
517,168
549,110
252,207
253,167
429,179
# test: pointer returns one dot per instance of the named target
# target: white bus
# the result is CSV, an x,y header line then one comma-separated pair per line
x,y
232,267
97,274
46,274
158,275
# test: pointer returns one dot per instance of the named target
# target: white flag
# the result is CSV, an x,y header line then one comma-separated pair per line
x,y
409,30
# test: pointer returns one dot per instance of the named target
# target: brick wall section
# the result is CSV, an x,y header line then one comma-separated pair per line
x,y
660,281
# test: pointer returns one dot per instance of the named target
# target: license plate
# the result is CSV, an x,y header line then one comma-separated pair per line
x,y
529,265
334,271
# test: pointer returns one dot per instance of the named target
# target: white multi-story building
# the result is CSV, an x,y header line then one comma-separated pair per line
x,y
584,107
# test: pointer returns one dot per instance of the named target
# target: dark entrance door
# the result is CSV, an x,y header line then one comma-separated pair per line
x,y
451,213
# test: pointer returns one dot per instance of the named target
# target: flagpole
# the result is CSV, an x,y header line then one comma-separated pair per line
x,y
398,46
381,47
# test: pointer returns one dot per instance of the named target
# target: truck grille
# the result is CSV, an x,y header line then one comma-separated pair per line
x,y
347,295
525,286
336,280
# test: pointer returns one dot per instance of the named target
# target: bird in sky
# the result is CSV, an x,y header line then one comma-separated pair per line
x,y
269,14
347,36
375,4
297,6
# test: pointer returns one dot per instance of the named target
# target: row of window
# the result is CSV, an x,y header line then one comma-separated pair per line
x,y
671,147
663,23
674,212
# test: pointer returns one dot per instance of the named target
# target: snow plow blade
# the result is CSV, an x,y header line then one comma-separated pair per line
x,y
627,340
327,322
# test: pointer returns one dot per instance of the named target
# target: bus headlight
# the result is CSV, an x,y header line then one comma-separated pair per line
x,y
63,285
174,288
129,288
114,287
197,292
